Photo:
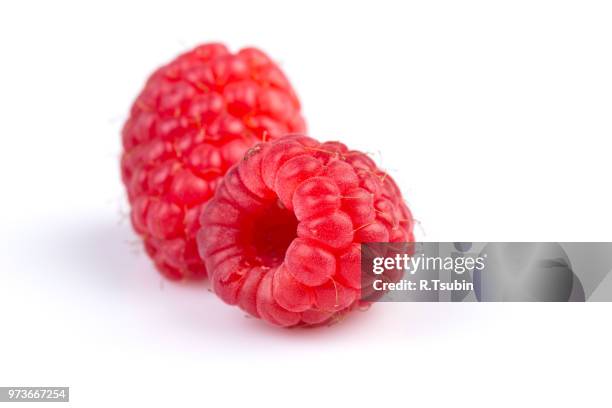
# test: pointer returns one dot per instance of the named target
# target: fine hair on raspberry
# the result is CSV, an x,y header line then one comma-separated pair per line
x,y
195,117
281,236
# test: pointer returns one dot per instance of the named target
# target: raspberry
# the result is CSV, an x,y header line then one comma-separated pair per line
x,y
281,236
195,117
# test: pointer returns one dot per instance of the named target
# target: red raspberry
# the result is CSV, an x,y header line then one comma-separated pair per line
x,y
195,117
281,236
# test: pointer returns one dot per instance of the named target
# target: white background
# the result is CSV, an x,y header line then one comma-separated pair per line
x,y
494,118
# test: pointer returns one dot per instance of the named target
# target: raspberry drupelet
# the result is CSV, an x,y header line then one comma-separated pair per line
x,y
195,117
281,237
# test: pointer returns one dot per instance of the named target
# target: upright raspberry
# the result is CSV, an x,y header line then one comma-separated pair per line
x,y
281,237
195,117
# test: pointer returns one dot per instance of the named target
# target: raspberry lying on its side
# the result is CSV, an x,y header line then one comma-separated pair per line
x,y
195,117
281,236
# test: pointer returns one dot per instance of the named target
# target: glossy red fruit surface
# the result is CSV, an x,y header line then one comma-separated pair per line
x,y
195,117
281,237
